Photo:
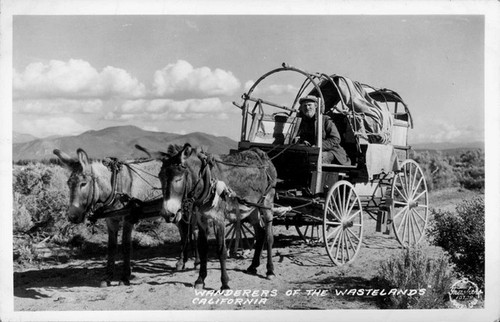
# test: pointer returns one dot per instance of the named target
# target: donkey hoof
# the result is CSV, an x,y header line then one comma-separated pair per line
x,y
270,276
105,284
199,286
252,270
180,266
124,281
225,287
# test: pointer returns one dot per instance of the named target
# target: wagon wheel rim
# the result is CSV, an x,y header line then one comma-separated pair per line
x,y
410,204
342,223
311,234
246,240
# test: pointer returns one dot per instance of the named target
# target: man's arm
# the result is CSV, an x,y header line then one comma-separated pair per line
x,y
332,135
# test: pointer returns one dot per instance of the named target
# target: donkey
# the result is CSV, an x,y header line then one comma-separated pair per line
x,y
233,187
96,186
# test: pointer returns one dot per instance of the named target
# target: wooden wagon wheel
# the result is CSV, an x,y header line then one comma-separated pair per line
x,y
409,210
238,238
342,223
311,234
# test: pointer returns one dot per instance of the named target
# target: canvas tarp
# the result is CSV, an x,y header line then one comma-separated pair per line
x,y
374,120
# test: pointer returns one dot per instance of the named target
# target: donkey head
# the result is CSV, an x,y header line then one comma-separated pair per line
x,y
80,183
173,177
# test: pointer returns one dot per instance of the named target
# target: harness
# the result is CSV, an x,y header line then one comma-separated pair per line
x,y
94,207
210,186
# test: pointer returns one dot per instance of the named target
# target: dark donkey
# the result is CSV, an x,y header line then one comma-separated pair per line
x,y
97,186
233,187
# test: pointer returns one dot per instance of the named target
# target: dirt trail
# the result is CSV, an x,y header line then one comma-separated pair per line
x,y
156,286
73,285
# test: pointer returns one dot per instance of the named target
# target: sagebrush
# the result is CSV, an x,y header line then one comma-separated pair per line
x,y
425,269
461,234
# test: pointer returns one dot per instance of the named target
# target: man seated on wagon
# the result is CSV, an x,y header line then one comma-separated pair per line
x,y
332,151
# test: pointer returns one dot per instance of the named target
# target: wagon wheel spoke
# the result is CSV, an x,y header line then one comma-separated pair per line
x,y
349,240
343,213
409,190
418,215
245,236
401,212
311,234
416,188
332,223
354,215
338,212
333,232
416,224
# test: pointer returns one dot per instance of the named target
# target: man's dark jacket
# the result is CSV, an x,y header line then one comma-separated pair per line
x,y
331,137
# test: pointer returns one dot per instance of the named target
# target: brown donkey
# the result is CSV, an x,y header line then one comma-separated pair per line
x,y
96,186
233,187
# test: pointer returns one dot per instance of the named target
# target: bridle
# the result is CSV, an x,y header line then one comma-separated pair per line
x,y
93,203
204,176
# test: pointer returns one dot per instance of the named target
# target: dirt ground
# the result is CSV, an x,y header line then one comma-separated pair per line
x,y
305,279
299,268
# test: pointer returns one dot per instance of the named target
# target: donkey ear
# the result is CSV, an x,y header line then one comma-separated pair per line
x,y
158,155
186,152
83,158
65,158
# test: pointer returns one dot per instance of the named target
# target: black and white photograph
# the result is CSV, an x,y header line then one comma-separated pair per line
x,y
242,161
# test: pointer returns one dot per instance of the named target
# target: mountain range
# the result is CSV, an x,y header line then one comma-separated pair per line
x,y
444,146
116,142
119,141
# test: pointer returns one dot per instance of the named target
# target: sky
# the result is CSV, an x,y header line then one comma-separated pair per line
x,y
181,73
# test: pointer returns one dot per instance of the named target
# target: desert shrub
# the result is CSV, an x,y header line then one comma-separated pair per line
x,y
470,170
461,234
429,272
21,219
25,251
437,169
40,200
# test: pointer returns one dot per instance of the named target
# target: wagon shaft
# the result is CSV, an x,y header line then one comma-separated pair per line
x,y
140,210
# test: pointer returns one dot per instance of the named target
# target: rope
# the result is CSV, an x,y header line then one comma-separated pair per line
x,y
239,165
282,151
141,177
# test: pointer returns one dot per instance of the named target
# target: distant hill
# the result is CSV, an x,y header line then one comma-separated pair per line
x,y
22,138
117,142
443,146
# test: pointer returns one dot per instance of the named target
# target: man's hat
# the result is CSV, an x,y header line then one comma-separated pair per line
x,y
308,98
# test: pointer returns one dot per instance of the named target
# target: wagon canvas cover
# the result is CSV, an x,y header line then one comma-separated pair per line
x,y
373,118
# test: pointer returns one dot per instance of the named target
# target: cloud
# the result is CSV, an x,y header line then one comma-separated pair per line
x,y
183,80
74,79
437,131
272,89
167,109
57,106
42,127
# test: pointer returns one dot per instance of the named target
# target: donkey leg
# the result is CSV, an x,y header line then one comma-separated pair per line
x,y
259,243
194,242
270,241
127,251
222,254
183,257
112,242
203,251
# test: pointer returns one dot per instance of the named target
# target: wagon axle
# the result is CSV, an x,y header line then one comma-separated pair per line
x,y
413,204
347,224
